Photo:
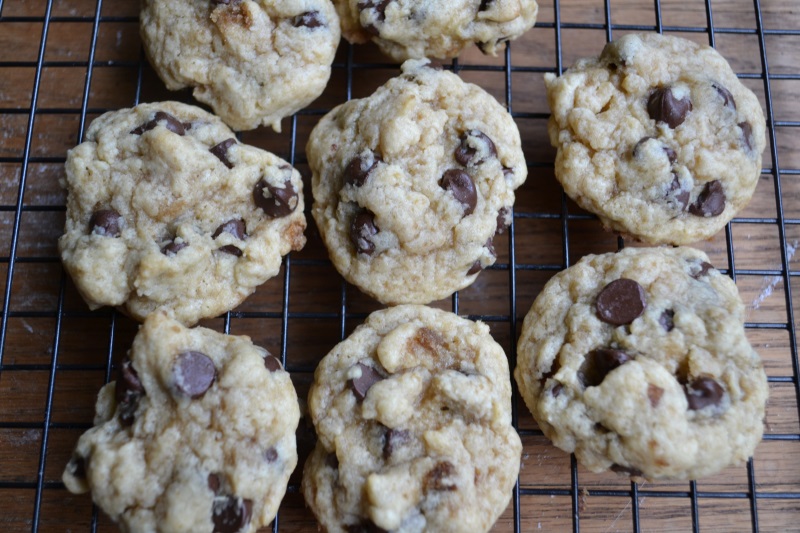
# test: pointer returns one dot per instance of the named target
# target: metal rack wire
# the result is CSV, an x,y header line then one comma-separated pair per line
x,y
47,431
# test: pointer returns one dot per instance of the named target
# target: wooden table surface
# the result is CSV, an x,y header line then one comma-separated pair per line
x,y
55,354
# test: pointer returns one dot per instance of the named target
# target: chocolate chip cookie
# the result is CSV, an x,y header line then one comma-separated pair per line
x,y
658,137
413,415
253,61
405,29
196,435
638,362
412,183
167,210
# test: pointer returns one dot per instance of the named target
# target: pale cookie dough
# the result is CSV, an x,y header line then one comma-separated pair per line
x,y
197,434
413,417
638,362
657,137
253,61
411,184
405,29
166,210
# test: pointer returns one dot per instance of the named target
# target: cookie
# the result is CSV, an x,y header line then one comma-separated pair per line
x,y
411,184
657,137
638,362
413,417
406,29
253,61
167,210
196,435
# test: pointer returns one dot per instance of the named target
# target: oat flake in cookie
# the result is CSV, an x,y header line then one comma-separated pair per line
x,y
253,61
197,434
413,417
638,362
658,137
405,29
166,210
412,183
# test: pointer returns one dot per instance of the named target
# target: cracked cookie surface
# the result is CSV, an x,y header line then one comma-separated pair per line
x,y
253,61
413,29
166,210
658,137
638,362
196,435
413,417
411,184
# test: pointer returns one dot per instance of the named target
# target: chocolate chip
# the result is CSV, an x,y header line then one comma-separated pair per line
x,y
747,134
361,385
671,155
677,195
703,392
171,123
508,172
727,97
221,151
556,390
128,390
654,394
599,363
504,218
172,249
666,320
392,439
106,223
380,12
621,302
231,514
628,470
662,106
361,229
703,271
710,202
309,19
475,268
436,478
272,364
490,246
77,467
359,169
465,153
193,373
461,186
485,5
276,202
214,483
271,455
237,228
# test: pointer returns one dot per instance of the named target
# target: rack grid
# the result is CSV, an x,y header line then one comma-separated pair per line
x,y
63,63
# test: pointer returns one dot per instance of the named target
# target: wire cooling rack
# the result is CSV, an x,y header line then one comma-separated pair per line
x,y
64,63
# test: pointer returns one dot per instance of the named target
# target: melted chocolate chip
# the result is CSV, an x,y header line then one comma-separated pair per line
x,y
662,106
666,320
485,5
193,373
361,385
703,271
221,151
679,196
231,514
235,227
654,394
271,455
504,218
380,12
466,153
671,155
490,246
309,19
621,302
128,390
727,97
276,202
599,363
461,186
171,123
214,483
361,230
508,173
172,249
556,390
747,134
628,470
359,169
710,202
272,363
703,392
106,223
436,478
475,268
392,439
